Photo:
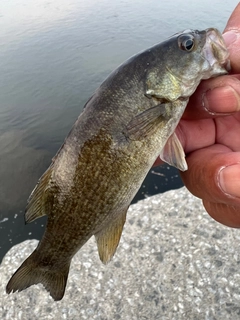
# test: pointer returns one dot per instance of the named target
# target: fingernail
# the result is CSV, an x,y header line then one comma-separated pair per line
x,y
229,180
230,37
221,99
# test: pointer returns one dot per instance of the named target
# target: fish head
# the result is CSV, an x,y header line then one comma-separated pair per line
x,y
186,59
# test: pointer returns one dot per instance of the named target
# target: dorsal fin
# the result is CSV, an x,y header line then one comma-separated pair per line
x,y
109,237
35,207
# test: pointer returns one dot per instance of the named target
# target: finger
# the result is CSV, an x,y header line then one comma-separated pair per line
x,y
233,21
228,131
228,215
214,175
214,97
232,38
158,162
194,135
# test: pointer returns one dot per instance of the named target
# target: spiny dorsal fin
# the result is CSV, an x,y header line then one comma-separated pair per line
x,y
173,153
35,207
109,237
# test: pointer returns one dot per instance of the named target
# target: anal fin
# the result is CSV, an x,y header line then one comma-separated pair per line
x,y
108,238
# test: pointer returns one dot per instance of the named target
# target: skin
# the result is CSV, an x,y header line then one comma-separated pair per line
x,y
210,134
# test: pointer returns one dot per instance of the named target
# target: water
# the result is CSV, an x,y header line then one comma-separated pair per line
x,y
53,55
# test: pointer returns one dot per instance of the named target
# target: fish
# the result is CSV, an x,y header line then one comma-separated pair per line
x,y
127,123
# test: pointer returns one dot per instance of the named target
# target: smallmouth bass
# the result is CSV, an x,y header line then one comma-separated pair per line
x,y
127,123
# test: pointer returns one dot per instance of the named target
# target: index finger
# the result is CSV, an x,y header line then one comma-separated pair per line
x,y
233,21
232,38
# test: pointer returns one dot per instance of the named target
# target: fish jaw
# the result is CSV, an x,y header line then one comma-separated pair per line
x,y
216,54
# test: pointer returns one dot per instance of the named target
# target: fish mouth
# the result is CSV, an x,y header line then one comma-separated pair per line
x,y
216,53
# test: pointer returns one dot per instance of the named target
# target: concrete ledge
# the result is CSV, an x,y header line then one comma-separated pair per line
x,y
173,262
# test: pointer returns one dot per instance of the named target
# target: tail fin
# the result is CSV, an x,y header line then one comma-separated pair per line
x,y
30,273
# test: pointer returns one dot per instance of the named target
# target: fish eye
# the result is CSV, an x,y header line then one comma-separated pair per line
x,y
186,42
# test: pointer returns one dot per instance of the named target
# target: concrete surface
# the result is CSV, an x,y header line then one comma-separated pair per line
x,y
173,262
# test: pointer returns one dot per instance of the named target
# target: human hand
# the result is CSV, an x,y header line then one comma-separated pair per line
x,y
210,134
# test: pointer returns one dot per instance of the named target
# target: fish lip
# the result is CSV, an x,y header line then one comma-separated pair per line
x,y
216,53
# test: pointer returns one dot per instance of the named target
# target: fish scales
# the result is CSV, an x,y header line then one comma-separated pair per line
x,y
124,126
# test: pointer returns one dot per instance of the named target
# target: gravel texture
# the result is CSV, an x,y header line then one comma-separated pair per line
x,y
173,262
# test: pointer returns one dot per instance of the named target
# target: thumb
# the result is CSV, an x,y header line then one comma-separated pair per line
x,y
214,176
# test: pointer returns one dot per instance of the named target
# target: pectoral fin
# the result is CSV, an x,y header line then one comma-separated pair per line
x,y
109,237
147,122
173,153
